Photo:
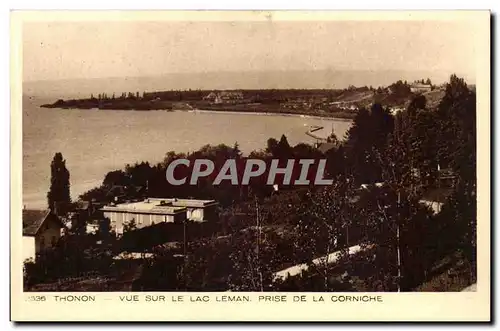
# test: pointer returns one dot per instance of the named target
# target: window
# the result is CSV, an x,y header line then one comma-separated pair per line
x,y
53,241
42,242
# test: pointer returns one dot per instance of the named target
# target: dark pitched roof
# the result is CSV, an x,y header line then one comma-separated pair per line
x,y
32,220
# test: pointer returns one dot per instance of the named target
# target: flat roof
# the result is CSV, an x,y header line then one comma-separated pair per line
x,y
190,203
144,207
153,206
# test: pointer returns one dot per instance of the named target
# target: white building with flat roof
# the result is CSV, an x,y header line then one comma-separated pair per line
x,y
157,210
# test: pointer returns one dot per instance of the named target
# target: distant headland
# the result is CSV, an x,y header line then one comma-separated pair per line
x,y
334,103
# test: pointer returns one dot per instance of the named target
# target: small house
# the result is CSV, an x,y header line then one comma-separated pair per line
x,y
41,231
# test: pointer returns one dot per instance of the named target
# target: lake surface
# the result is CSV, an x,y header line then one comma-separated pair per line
x,y
94,142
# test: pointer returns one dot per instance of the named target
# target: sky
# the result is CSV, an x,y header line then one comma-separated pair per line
x,y
70,50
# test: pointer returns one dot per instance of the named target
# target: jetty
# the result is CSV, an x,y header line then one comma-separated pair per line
x,y
314,128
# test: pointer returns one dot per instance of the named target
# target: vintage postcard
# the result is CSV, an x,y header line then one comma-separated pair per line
x,y
250,166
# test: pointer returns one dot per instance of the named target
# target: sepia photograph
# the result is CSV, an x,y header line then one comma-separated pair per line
x,y
250,154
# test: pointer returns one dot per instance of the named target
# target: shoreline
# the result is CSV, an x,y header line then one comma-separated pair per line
x,y
235,112
212,111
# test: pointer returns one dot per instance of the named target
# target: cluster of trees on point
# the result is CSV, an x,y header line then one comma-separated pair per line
x,y
424,81
261,231
123,96
126,101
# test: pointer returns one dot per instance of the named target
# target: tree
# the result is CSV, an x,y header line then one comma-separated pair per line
x,y
403,231
366,138
457,150
458,224
117,177
417,103
79,223
279,149
284,149
236,150
272,146
400,88
130,226
358,144
400,233
457,112
58,197
417,129
323,222
253,254
104,231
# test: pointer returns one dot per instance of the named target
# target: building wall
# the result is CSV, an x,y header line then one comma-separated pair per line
x,y
202,214
195,214
118,219
28,248
48,236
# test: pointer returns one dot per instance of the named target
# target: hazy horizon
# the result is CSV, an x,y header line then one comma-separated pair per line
x,y
229,80
238,72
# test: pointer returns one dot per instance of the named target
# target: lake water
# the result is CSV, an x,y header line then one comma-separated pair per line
x,y
94,142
